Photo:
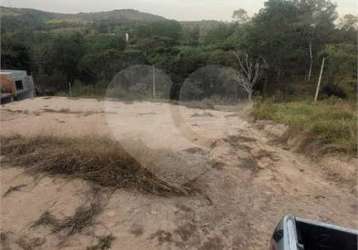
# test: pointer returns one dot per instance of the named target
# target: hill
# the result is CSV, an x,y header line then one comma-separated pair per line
x,y
124,15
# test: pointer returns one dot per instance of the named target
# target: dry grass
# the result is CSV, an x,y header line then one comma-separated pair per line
x,y
98,160
204,114
60,111
23,242
46,219
83,217
14,189
30,244
104,243
73,112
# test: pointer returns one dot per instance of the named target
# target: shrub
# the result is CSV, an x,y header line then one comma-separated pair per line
x,y
333,90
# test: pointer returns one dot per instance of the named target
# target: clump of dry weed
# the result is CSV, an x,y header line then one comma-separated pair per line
x,y
99,160
83,217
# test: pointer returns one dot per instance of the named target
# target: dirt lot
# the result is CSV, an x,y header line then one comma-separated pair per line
x,y
247,182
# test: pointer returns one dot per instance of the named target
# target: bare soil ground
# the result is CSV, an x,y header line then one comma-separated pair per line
x,y
246,181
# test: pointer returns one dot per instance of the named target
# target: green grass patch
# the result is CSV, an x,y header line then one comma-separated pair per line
x,y
330,122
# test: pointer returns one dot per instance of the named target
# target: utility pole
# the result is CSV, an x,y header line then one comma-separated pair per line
x,y
319,80
153,83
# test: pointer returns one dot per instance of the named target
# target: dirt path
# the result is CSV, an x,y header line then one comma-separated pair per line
x,y
246,182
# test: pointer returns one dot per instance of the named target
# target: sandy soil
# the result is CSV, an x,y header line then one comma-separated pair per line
x,y
247,182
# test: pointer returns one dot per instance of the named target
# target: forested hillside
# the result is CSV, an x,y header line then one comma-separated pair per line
x,y
288,38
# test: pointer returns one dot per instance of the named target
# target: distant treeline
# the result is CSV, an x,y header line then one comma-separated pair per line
x,y
290,36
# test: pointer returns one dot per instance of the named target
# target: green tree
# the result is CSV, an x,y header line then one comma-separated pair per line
x,y
191,36
316,22
273,35
169,29
64,54
349,22
14,53
218,34
100,42
240,16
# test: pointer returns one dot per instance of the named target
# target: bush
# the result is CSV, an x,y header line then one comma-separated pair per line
x,y
333,90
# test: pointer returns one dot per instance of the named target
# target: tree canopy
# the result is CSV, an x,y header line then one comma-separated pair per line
x,y
291,36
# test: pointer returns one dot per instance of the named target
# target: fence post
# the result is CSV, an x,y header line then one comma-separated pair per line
x,y
319,80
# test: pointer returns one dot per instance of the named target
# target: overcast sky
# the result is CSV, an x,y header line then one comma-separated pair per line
x,y
174,9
